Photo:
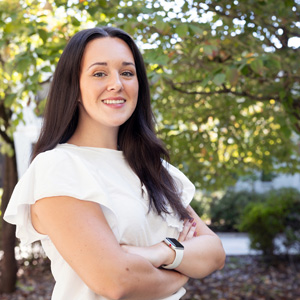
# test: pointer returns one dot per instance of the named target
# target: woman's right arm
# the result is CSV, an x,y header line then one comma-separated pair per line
x,y
83,237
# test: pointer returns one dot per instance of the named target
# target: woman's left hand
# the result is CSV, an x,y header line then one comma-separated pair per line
x,y
188,231
159,254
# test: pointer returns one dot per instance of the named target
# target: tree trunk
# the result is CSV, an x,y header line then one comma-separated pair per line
x,y
9,263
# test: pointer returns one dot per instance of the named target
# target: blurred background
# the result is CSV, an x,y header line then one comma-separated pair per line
x,y
225,81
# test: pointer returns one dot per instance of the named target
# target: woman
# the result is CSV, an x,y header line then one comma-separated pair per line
x,y
98,194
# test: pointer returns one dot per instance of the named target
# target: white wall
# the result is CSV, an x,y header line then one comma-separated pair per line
x,y
280,181
24,138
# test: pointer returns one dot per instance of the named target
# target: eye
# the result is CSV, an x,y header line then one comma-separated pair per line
x,y
127,74
99,74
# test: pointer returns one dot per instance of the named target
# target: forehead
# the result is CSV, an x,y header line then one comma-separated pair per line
x,y
107,49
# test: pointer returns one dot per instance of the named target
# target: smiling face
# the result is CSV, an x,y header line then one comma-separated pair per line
x,y
108,84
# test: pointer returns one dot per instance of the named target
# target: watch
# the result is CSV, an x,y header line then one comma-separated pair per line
x,y
178,248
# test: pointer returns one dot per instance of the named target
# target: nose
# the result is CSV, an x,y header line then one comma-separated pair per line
x,y
114,83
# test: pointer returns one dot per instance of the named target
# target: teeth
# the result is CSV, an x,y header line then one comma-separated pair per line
x,y
113,101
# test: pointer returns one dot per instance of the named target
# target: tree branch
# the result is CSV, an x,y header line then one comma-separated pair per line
x,y
6,138
222,91
5,116
2,61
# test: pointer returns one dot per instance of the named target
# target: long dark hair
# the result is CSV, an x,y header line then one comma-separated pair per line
x,y
137,139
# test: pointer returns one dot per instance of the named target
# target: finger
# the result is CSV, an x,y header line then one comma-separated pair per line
x,y
186,227
185,230
192,232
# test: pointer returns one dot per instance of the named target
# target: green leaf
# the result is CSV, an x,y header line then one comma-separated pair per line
x,y
150,57
93,10
47,69
232,76
9,28
257,66
43,35
10,99
196,50
286,130
35,77
23,63
162,59
102,3
282,94
155,78
244,70
182,30
205,81
2,43
160,25
272,63
196,29
75,21
219,79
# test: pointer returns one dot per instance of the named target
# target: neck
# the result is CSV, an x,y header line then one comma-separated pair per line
x,y
87,136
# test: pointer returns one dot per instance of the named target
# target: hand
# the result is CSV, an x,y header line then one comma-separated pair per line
x,y
159,254
189,230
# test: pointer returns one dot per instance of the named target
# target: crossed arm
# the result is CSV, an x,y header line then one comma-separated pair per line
x,y
81,234
203,250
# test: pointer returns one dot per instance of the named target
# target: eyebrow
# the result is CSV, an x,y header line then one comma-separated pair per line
x,y
125,63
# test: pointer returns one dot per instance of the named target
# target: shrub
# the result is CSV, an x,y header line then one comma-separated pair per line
x,y
292,227
198,207
225,212
277,215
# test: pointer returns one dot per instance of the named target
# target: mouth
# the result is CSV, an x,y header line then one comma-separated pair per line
x,y
114,101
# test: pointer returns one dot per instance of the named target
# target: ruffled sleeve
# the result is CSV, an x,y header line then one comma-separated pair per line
x,y
52,173
185,187
186,191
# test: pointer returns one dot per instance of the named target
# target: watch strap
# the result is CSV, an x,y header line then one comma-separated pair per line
x,y
178,257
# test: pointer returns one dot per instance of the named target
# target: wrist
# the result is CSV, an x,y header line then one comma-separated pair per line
x,y
178,248
167,254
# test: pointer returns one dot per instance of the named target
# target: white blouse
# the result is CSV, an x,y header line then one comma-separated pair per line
x,y
102,176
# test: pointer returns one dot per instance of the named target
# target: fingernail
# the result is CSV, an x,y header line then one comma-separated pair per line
x,y
194,224
191,220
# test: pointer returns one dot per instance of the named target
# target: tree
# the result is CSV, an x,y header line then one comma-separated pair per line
x,y
29,50
243,82
224,76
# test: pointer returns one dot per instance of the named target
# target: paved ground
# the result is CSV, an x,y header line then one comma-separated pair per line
x,y
236,244
239,244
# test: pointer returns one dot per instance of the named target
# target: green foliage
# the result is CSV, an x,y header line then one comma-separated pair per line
x,y
228,98
224,79
31,40
201,204
226,212
264,216
198,207
278,215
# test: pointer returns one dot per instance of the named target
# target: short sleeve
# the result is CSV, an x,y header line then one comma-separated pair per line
x,y
186,191
185,187
52,173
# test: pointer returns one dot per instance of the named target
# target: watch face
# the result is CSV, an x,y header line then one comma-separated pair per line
x,y
175,243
